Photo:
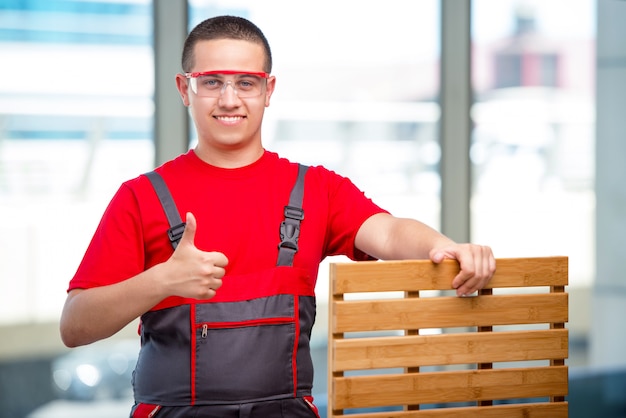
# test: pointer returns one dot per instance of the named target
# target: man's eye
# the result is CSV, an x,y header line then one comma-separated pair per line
x,y
210,82
246,84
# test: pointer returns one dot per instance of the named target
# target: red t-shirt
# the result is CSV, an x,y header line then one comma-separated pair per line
x,y
238,213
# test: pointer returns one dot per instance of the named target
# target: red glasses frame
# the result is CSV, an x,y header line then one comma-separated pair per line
x,y
200,74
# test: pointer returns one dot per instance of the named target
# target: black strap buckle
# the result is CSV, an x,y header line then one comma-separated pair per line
x,y
293,212
289,234
290,228
175,233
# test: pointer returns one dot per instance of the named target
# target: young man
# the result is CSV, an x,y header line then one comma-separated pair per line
x,y
226,316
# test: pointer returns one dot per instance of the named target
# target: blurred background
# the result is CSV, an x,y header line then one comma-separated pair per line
x,y
495,121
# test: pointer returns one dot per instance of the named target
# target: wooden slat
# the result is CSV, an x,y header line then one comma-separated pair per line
x,y
448,386
443,312
444,349
416,275
527,410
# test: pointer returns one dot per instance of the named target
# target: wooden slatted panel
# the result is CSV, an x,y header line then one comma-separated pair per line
x,y
416,275
443,349
447,312
449,386
528,410
411,351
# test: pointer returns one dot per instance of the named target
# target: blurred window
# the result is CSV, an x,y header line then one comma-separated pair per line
x,y
533,146
76,86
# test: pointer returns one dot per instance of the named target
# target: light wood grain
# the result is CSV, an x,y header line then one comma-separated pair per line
x,y
449,386
416,275
353,316
529,410
446,349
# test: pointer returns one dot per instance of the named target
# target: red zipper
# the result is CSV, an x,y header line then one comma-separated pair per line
x,y
242,324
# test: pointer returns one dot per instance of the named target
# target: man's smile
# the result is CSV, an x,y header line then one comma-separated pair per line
x,y
229,119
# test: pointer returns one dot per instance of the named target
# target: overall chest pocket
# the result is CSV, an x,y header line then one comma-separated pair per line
x,y
245,350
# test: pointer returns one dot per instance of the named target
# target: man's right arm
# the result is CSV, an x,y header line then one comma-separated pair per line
x,y
93,314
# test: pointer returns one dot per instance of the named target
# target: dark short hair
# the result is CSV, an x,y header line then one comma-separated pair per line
x,y
225,27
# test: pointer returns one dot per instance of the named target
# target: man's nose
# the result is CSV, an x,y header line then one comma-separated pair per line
x,y
228,96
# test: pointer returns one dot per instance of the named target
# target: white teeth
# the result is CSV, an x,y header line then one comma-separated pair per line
x,y
229,118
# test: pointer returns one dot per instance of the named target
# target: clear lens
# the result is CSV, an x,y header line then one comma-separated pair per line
x,y
214,85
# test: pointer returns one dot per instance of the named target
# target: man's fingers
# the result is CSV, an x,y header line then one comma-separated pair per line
x,y
476,270
220,260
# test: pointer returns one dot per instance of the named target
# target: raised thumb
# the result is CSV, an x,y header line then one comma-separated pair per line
x,y
189,234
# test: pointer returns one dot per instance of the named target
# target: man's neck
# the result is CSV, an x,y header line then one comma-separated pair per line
x,y
229,158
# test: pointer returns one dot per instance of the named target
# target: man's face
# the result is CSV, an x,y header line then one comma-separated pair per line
x,y
227,118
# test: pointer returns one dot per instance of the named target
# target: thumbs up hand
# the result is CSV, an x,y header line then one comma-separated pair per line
x,y
194,273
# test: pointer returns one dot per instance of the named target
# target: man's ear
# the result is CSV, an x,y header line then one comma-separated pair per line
x,y
182,84
271,84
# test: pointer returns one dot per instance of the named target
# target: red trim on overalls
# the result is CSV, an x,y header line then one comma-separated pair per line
x,y
296,342
192,317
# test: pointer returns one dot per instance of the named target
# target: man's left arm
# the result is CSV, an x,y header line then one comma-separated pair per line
x,y
389,238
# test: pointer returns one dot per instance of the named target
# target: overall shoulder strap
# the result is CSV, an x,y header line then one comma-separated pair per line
x,y
177,226
290,227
